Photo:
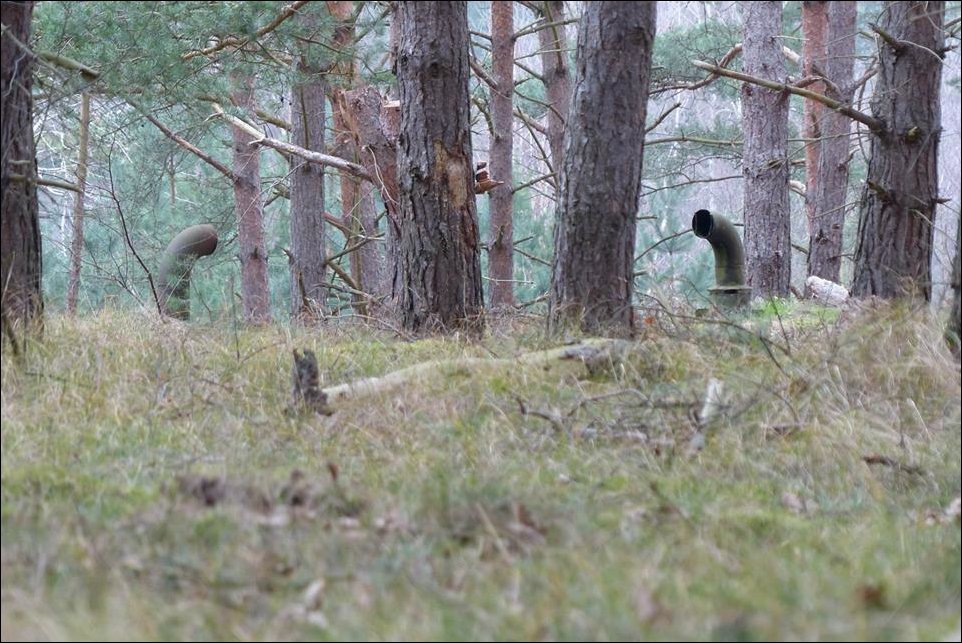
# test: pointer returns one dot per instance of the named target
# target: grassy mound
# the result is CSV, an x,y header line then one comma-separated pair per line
x,y
156,485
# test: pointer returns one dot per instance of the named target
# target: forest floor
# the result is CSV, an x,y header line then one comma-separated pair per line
x,y
155,484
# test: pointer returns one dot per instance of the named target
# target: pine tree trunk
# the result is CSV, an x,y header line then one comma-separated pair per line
x,y
500,247
594,238
77,242
438,251
814,31
249,214
954,331
373,127
765,161
827,197
21,300
897,213
557,78
307,199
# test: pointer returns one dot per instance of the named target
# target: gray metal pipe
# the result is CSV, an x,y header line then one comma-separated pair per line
x,y
730,290
178,260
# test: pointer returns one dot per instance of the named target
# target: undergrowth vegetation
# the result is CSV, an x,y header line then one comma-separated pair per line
x,y
157,484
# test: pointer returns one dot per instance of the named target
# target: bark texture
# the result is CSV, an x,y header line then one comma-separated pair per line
x,y
827,194
21,302
814,32
307,259
438,251
249,213
373,125
500,246
594,238
765,162
898,204
77,241
557,77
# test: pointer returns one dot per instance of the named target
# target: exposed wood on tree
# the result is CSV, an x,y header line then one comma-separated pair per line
x,y
21,299
500,235
594,239
439,284
898,204
77,240
764,160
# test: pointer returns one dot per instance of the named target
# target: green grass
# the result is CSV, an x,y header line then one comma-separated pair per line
x,y
453,515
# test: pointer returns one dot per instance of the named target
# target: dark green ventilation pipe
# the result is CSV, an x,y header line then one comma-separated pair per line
x,y
730,290
193,242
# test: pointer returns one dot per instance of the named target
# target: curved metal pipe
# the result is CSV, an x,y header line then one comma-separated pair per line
x,y
730,289
178,260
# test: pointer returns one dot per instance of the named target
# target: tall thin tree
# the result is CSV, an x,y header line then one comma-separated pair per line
x,y
501,237
594,238
556,74
249,211
77,242
899,199
765,160
827,191
307,260
438,250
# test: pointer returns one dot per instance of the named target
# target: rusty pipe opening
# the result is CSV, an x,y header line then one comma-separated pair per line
x,y
177,263
730,290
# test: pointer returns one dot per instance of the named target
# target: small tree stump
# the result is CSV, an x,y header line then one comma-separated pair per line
x,y
307,393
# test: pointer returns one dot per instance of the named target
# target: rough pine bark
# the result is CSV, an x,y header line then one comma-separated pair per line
x,y
898,204
594,238
827,194
500,247
307,259
77,242
373,126
21,301
438,251
765,162
557,77
249,212
814,32
954,331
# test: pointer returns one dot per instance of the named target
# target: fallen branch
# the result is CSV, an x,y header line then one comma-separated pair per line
x,y
592,353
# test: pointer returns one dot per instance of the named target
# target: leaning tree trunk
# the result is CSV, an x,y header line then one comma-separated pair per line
x,y
768,243
21,302
438,253
827,197
248,210
594,238
897,213
500,246
307,197
557,80
77,242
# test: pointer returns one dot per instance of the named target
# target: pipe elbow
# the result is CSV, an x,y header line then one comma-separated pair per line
x,y
730,288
